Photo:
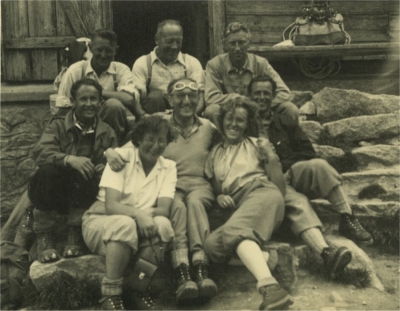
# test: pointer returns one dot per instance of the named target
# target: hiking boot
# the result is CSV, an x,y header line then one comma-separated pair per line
x,y
143,301
75,245
335,260
351,228
186,288
25,236
46,251
274,298
285,270
207,287
112,303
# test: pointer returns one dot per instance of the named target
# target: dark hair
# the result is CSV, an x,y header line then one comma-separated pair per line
x,y
86,81
236,27
167,22
264,78
253,121
105,34
152,124
173,82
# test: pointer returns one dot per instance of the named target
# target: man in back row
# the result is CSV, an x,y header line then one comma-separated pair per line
x,y
227,76
153,72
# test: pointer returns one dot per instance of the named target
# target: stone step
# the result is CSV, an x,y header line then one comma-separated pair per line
x,y
381,184
376,156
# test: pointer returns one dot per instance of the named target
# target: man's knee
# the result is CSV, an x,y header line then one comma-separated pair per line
x,y
164,228
113,104
213,250
155,101
318,165
289,113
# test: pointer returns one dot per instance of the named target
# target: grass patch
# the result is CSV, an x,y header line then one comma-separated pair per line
x,y
64,292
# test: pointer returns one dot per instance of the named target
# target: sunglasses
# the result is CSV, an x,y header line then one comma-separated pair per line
x,y
181,85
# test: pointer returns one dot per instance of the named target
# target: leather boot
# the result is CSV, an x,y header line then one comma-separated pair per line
x,y
75,246
186,288
207,287
46,251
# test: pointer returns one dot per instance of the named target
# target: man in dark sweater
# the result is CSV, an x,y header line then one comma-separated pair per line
x,y
304,171
70,157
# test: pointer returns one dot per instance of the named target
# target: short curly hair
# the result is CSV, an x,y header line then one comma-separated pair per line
x,y
253,120
151,124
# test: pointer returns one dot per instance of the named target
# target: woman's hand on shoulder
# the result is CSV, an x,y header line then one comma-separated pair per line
x,y
115,160
225,201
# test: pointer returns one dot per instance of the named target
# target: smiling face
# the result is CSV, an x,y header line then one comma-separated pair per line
x,y
237,44
152,146
235,125
103,53
87,103
262,94
169,42
184,102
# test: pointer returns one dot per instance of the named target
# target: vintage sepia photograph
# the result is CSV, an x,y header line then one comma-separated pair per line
x,y
200,155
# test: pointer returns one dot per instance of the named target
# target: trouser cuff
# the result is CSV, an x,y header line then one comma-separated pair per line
x,y
179,256
199,257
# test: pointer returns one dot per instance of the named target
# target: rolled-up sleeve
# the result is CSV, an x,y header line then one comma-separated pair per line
x,y
195,71
139,73
168,186
126,81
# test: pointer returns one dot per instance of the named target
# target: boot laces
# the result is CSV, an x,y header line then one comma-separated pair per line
x,y
27,222
202,271
116,302
146,298
184,272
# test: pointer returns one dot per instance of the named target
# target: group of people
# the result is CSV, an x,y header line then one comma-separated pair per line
x,y
227,138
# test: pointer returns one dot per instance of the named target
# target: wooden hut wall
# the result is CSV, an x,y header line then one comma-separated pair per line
x,y
365,21
35,33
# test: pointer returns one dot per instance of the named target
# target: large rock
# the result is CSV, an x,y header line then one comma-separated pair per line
x,y
335,104
359,261
383,184
329,153
21,127
89,266
376,156
364,127
312,129
308,109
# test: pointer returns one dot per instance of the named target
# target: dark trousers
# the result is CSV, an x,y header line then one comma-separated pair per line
x,y
60,190
155,101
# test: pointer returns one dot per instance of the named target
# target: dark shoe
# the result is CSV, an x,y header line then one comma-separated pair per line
x,y
335,260
186,288
351,228
111,303
207,287
143,301
46,251
285,270
75,246
25,236
275,298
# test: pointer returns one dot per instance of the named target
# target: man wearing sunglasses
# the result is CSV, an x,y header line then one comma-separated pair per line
x,y
153,72
194,138
227,76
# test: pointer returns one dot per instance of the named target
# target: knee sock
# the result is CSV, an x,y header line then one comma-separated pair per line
x,y
337,198
199,257
314,239
111,287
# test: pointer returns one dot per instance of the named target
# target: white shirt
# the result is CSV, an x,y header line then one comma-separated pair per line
x,y
139,190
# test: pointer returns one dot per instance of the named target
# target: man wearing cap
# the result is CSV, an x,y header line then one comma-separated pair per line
x,y
153,72
228,74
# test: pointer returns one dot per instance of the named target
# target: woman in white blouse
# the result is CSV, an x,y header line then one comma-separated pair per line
x,y
132,206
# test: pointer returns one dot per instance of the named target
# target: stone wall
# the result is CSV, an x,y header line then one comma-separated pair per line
x,y
21,126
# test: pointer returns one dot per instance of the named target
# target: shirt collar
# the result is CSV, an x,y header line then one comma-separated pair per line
x,y
79,125
89,68
196,124
154,57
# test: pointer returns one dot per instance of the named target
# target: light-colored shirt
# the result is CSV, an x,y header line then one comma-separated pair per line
x,y
233,166
163,74
117,77
223,82
137,189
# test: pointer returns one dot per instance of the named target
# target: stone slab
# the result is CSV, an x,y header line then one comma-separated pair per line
x,y
376,156
312,129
